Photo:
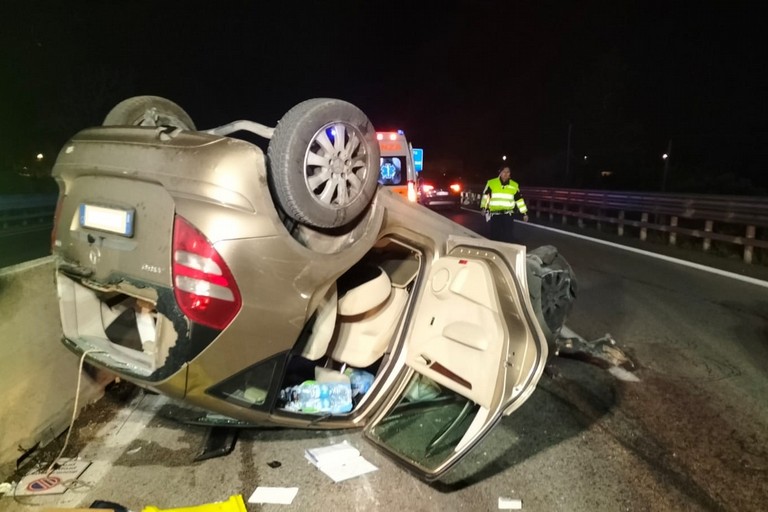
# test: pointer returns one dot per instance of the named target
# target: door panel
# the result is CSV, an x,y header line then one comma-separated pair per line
x,y
474,353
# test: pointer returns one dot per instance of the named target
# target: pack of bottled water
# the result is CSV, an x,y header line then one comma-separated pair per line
x,y
318,397
360,380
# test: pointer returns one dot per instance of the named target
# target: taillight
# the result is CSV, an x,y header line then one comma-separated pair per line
x,y
202,283
456,187
411,192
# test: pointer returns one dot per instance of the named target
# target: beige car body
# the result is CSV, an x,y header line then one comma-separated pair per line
x,y
284,272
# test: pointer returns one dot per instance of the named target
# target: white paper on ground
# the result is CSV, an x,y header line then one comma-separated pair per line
x,y
56,483
339,461
332,454
278,495
510,504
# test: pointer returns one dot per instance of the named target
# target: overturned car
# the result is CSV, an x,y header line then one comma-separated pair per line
x,y
289,288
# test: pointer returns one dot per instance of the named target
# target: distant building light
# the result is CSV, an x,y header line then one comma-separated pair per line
x,y
664,156
605,174
585,157
504,157
39,156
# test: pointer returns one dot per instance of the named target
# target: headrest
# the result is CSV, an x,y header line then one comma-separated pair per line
x,y
367,289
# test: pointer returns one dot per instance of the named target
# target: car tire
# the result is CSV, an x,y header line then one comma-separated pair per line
x,y
320,178
148,111
552,288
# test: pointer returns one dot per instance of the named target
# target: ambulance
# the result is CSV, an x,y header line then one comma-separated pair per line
x,y
397,168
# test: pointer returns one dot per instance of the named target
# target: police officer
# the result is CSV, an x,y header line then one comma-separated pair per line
x,y
500,197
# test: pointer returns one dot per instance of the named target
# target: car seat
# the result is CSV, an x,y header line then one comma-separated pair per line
x,y
368,318
325,324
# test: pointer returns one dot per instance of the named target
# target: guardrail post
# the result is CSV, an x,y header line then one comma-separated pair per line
x,y
672,234
551,211
564,219
643,229
748,249
537,207
707,241
581,219
599,222
620,229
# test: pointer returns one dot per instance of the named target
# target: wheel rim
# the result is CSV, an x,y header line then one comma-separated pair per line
x,y
556,296
336,165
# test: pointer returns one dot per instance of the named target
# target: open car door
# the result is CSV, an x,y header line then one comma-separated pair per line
x,y
475,353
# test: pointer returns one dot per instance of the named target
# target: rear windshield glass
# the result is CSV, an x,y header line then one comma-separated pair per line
x,y
392,171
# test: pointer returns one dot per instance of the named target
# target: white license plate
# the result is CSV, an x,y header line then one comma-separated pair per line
x,y
442,193
112,220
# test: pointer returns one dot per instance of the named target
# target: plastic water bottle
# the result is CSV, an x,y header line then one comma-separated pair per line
x,y
314,397
360,380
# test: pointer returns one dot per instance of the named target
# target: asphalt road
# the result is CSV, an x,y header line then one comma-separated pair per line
x,y
692,434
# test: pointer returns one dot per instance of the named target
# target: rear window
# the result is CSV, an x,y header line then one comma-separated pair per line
x,y
392,171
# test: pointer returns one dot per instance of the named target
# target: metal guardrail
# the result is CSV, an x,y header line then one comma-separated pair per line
x,y
736,220
20,212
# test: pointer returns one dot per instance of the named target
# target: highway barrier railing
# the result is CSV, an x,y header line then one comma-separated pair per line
x,y
739,221
20,212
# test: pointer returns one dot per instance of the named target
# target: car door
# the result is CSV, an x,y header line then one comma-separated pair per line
x,y
474,353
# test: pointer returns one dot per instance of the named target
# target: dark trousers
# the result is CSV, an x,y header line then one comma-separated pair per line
x,y
502,228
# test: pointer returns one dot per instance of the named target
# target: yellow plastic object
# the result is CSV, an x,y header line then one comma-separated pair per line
x,y
233,504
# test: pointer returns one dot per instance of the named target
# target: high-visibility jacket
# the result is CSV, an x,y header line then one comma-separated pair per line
x,y
498,197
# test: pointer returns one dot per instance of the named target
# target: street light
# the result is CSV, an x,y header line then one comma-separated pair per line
x,y
39,156
665,157
504,157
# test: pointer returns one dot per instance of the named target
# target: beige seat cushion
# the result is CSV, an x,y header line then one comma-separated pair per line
x,y
362,339
366,296
325,323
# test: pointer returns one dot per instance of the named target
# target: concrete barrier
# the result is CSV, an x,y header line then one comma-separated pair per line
x,y
38,376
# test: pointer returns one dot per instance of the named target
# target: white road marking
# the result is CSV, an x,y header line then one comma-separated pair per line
x,y
725,273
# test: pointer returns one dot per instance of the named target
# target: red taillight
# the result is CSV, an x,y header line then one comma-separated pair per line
x,y
203,284
427,188
456,187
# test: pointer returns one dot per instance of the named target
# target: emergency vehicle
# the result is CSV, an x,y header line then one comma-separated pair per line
x,y
397,169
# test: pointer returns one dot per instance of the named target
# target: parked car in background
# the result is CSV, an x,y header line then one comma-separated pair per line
x,y
440,190
291,288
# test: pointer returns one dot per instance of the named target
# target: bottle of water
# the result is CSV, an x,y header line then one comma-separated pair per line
x,y
315,397
360,380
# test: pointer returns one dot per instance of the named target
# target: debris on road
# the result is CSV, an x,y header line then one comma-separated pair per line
x,y
603,352
275,495
510,504
55,482
7,487
340,461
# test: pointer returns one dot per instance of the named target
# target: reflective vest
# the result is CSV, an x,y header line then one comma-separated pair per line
x,y
502,197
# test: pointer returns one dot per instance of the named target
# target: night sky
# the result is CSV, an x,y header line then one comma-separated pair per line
x,y
467,81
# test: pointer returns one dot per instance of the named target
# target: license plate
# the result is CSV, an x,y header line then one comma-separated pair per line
x,y
442,193
112,220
